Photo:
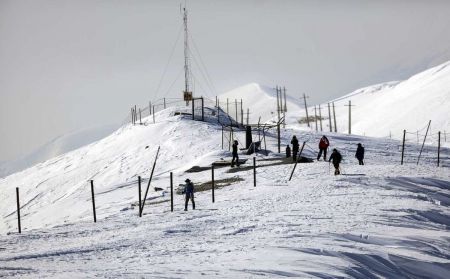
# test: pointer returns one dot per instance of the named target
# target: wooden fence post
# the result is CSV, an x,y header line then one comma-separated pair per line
x,y
93,201
212,183
164,103
18,211
423,144
171,192
140,117
296,161
403,146
140,197
254,171
439,147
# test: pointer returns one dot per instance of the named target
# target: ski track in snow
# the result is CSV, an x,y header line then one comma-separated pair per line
x,y
377,220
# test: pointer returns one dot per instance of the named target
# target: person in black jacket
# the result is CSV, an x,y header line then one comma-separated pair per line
x,y
295,148
336,157
235,154
189,191
360,154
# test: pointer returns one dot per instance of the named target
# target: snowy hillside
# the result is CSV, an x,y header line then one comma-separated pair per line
x,y
382,110
378,220
389,108
57,146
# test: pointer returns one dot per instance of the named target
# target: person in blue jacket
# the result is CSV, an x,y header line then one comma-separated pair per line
x,y
189,191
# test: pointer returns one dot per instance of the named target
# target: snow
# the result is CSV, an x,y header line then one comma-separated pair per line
x,y
55,147
379,220
381,110
389,108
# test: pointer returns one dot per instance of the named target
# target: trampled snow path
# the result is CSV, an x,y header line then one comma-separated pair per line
x,y
381,219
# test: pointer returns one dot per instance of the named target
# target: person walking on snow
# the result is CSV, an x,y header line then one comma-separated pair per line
x,y
295,147
323,146
189,191
235,154
360,154
288,151
336,157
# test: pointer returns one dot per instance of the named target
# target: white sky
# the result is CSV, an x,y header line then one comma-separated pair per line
x,y
68,65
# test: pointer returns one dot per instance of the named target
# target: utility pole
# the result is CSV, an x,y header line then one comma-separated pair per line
x,y
242,114
315,116
329,117
320,118
235,103
278,105
285,103
306,108
281,100
248,113
349,116
334,116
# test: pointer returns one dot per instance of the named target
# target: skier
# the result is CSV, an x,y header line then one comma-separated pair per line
x,y
336,157
323,146
360,154
295,147
189,191
235,154
288,151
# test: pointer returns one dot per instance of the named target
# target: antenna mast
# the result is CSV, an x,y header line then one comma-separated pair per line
x,y
187,94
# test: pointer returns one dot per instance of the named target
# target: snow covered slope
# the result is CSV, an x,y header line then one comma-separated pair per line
x,y
389,108
382,110
378,220
57,146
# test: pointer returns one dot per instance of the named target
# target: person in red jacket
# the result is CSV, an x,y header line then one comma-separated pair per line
x,y
323,146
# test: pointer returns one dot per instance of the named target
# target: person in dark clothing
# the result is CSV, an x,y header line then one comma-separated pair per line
x,y
336,157
295,147
288,151
360,154
235,154
189,191
323,146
